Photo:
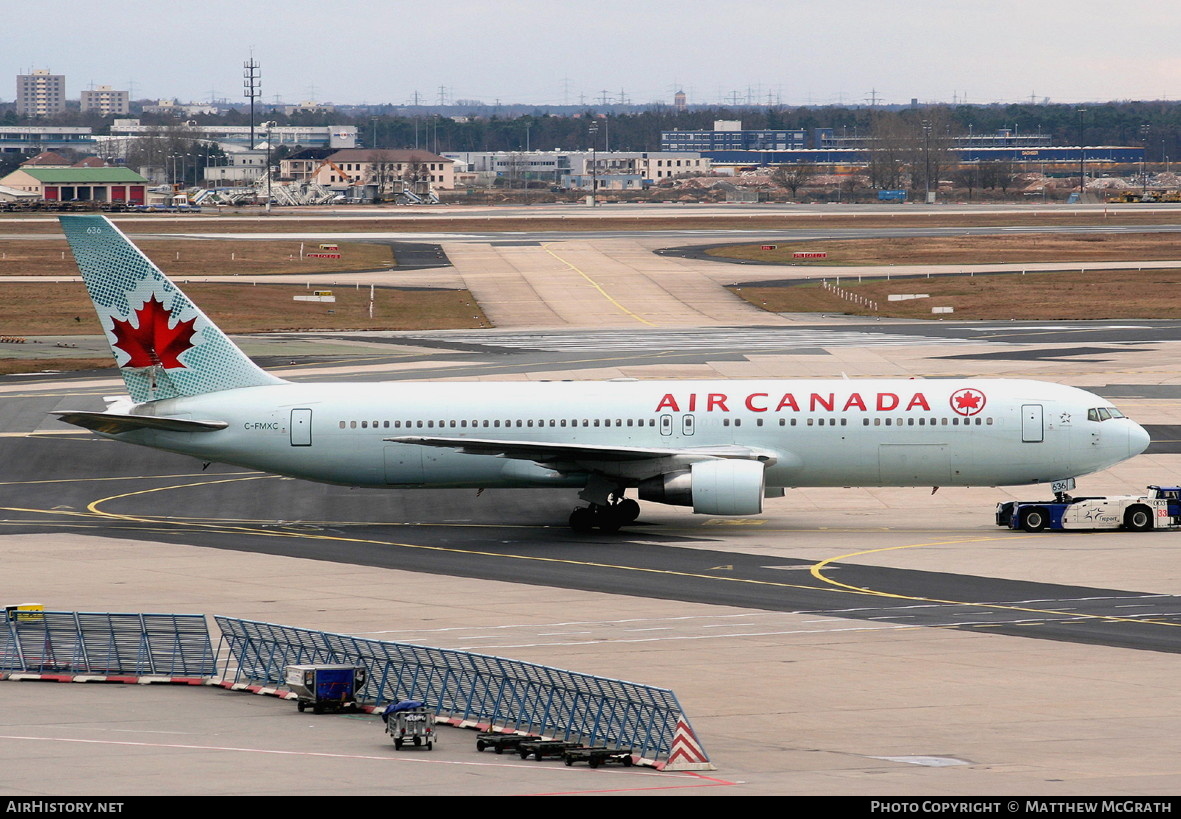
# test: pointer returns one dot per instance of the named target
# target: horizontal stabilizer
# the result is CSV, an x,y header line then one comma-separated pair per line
x,y
113,423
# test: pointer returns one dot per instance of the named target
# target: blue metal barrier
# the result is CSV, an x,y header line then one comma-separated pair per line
x,y
470,688
98,643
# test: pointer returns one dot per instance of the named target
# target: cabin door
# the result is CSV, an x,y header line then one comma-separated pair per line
x,y
301,427
1031,423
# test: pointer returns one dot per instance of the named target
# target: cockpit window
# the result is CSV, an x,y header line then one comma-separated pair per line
x,y
1103,414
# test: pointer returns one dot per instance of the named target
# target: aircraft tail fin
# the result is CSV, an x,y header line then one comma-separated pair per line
x,y
164,345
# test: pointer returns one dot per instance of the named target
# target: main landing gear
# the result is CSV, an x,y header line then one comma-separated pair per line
x,y
616,513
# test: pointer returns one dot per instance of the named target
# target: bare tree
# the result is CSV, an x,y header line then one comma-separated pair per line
x,y
792,176
889,151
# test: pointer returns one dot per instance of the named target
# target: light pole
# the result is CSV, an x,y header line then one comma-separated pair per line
x,y
1144,131
594,131
268,126
927,159
1082,167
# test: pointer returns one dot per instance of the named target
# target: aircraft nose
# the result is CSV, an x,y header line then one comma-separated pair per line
x,y
1138,439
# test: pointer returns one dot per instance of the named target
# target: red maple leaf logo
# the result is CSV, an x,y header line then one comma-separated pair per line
x,y
967,401
153,342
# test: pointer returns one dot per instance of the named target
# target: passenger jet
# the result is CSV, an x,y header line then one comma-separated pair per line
x,y
719,447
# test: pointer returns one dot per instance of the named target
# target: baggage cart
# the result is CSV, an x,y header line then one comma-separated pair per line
x,y
325,687
598,756
541,748
410,722
500,743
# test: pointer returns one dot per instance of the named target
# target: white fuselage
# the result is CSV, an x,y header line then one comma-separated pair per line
x,y
819,432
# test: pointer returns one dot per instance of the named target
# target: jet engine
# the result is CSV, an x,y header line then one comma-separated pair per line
x,y
721,487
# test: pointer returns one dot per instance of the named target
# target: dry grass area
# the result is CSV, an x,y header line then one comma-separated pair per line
x,y
187,257
1028,247
12,366
51,309
1145,294
607,217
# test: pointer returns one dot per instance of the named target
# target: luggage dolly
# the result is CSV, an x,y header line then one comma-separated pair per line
x,y
541,748
409,721
598,756
502,742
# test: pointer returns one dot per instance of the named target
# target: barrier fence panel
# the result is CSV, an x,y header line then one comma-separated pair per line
x,y
481,689
99,643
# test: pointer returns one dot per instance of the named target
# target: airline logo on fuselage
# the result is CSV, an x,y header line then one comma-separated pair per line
x,y
810,402
967,401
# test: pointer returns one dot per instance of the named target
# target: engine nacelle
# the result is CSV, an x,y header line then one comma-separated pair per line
x,y
723,487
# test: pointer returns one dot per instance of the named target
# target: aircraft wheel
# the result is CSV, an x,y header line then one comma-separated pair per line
x,y
628,510
1138,519
608,519
582,519
1034,520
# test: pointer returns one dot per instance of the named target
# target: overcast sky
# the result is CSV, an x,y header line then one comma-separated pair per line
x,y
559,52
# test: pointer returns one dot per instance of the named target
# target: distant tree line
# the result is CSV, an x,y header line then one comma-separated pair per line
x,y
1155,125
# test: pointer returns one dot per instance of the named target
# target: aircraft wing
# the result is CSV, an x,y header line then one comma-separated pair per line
x,y
114,423
552,453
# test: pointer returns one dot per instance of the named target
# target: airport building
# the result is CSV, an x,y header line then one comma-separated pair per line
x,y
33,139
381,167
577,169
730,147
307,136
79,184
